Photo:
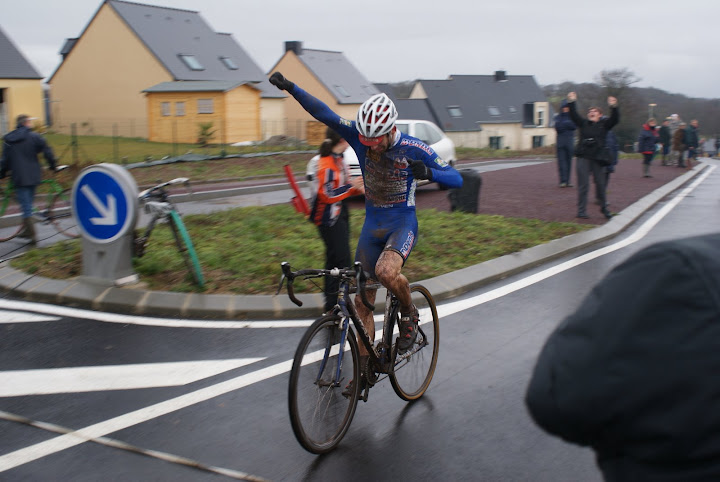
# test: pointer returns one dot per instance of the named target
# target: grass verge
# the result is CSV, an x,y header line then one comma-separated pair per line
x,y
241,249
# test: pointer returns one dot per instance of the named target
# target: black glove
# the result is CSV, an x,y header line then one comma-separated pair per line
x,y
420,170
281,82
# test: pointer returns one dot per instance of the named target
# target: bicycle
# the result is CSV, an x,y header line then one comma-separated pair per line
x,y
50,206
323,390
157,203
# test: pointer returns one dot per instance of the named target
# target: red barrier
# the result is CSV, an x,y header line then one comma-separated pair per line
x,y
298,201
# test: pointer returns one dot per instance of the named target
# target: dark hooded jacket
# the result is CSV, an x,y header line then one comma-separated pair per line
x,y
648,139
637,377
564,126
20,156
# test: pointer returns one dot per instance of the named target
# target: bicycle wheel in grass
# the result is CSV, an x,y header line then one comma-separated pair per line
x,y
320,413
9,207
59,215
414,369
186,248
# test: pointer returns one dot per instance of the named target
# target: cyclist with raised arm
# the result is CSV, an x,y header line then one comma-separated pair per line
x,y
391,163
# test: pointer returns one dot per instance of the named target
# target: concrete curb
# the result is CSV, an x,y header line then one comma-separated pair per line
x,y
76,293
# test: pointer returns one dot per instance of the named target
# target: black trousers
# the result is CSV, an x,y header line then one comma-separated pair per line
x,y
337,253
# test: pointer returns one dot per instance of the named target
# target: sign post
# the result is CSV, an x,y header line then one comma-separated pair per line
x,y
104,204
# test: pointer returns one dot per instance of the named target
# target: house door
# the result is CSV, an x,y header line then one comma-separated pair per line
x,y
3,114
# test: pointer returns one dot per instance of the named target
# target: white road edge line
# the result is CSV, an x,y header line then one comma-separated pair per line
x,y
57,444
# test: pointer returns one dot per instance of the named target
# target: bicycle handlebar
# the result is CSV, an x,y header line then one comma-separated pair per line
x,y
150,192
357,274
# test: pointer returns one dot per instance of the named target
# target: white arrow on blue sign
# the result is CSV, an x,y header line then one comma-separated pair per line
x,y
104,200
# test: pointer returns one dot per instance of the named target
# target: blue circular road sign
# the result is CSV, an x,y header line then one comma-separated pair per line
x,y
104,201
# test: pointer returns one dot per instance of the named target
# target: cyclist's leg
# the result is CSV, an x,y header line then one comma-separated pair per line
x,y
398,245
368,251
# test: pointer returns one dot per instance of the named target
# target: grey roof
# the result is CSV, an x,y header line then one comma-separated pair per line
x,y
409,108
338,75
197,86
475,94
13,64
171,32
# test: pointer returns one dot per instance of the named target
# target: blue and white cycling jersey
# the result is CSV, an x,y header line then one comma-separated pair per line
x,y
389,181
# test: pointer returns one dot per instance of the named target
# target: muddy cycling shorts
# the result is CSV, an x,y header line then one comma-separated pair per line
x,y
395,233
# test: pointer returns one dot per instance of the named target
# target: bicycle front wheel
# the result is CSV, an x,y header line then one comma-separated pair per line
x,y
413,370
59,215
322,400
186,248
9,207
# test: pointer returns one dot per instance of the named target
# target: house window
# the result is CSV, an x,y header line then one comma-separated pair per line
x,y
228,62
205,106
165,108
341,90
179,108
512,109
191,62
494,111
454,111
496,142
541,118
538,141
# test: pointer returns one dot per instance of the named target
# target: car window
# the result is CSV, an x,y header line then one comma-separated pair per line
x,y
427,134
403,128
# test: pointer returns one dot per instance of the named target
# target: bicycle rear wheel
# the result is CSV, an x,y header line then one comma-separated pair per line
x,y
58,214
413,370
186,248
9,207
320,413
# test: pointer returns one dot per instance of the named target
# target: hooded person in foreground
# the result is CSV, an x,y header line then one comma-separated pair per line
x,y
634,373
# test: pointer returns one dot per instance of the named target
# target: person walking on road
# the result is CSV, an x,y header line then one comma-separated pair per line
x,y
665,140
692,141
647,144
391,163
329,210
20,157
565,144
633,372
592,155
678,144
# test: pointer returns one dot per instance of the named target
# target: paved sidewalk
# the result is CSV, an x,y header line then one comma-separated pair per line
x,y
526,191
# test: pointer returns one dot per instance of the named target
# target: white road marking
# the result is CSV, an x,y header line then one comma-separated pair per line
x,y
57,444
18,383
7,316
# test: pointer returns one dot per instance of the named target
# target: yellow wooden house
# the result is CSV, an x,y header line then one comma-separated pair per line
x,y
21,90
111,71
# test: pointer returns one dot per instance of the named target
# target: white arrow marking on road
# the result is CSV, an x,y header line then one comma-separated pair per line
x,y
22,317
108,215
18,383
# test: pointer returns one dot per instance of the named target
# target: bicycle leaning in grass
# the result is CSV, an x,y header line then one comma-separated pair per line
x,y
323,391
158,204
50,206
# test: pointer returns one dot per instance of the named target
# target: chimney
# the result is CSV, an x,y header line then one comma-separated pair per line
x,y
500,76
294,46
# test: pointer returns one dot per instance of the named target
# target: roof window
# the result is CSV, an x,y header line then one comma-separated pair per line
x,y
341,90
228,62
494,111
191,62
454,111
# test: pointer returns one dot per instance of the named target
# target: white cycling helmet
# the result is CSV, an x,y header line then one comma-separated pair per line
x,y
375,118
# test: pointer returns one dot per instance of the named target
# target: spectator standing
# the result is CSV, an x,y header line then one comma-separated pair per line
x,y
678,145
591,152
665,140
614,148
20,157
647,144
633,373
329,209
692,141
565,144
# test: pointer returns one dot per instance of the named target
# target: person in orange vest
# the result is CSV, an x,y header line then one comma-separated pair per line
x,y
329,209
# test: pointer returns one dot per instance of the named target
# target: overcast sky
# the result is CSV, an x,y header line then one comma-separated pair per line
x,y
670,44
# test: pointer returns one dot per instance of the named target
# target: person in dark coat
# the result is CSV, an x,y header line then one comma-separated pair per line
x,y
633,373
647,144
20,157
590,151
614,149
692,141
665,140
565,144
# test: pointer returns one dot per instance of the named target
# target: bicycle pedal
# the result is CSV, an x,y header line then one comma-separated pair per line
x,y
364,395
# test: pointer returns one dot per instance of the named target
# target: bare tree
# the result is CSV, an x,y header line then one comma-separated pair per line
x,y
616,82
